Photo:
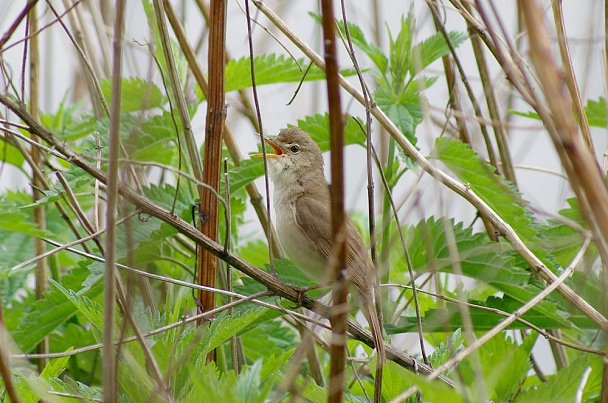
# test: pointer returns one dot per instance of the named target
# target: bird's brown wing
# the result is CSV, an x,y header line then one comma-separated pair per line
x,y
313,216
314,219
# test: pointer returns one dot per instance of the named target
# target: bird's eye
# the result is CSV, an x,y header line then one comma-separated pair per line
x,y
294,148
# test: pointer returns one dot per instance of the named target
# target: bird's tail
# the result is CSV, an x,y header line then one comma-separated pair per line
x,y
376,328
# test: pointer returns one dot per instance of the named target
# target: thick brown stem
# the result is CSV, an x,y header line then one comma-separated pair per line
x,y
216,116
337,347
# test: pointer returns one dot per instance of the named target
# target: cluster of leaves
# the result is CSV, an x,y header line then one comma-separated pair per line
x,y
71,311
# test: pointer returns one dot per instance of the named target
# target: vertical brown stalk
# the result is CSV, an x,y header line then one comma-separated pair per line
x,y
37,181
450,75
604,393
110,386
500,132
216,116
336,129
577,103
581,166
231,144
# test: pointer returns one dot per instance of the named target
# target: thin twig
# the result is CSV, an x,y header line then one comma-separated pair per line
x,y
258,112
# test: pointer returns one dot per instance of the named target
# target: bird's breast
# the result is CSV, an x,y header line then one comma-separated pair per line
x,y
296,245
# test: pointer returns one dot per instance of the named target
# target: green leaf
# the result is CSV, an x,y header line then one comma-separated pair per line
x,y
268,338
504,365
254,252
435,390
400,53
309,390
55,367
15,219
136,94
318,128
10,155
272,364
444,351
247,172
153,139
450,319
248,385
560,387
225,326
394,380
479,258
493,190
433,48
55,308
145,138
272,69
404,111
596,112
90,309
289,273
68,123
563,242
374,52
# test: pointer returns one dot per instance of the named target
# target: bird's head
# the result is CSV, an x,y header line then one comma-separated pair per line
x,y
296,157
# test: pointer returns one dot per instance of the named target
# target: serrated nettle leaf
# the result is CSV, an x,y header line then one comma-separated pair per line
x,y
69,123
434,391
272,69
248,383
272,364
372,51
166,195
247,172
560,387
268,338
400,53
136,94
590,286
450,318
404,112
504,365
479,258
445,350
153,140
48,313
318,128
150,138
90,309
15,219
55,367
498,193
225,326
432,48
596,112
10,155
309,390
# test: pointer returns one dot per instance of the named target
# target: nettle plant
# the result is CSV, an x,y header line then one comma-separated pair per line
x,y
262,351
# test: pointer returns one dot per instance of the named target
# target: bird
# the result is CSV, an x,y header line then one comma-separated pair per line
x,y
303,224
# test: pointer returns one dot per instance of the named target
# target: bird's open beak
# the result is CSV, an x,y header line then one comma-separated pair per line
x,y
277,150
